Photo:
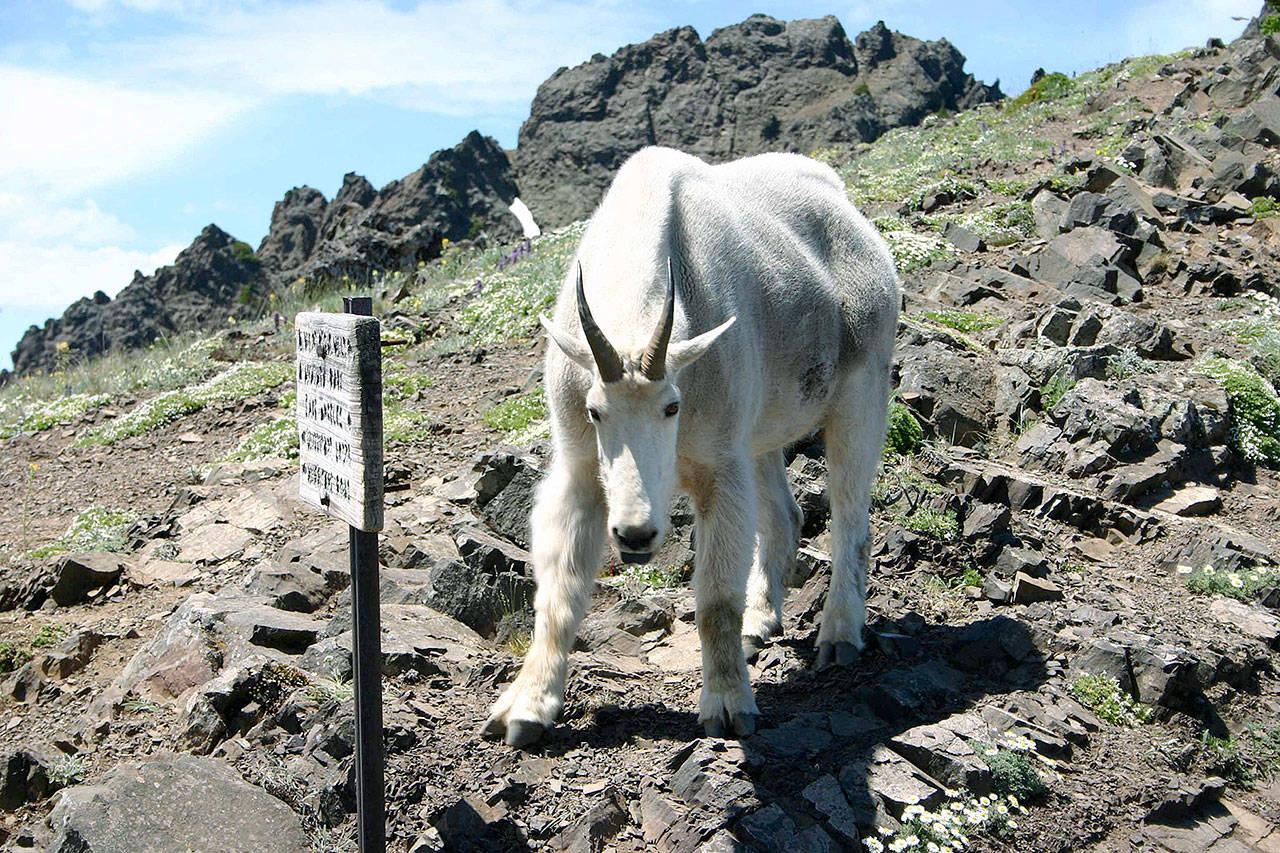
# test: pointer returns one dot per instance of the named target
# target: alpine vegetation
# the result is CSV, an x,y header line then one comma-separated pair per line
x,y
712,315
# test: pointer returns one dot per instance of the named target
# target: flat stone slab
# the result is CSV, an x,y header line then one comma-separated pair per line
x,y
1250,620
173,804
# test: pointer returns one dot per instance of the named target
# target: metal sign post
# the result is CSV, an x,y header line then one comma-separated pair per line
x,y
340,442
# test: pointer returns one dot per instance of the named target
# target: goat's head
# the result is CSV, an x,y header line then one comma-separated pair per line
x,y
634,405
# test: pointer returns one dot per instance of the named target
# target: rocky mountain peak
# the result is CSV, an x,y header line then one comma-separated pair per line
x,y
760,85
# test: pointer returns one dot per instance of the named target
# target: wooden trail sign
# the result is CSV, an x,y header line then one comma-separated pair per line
x,y
340,439
340,416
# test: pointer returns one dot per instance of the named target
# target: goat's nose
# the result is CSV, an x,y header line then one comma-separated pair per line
x,y
636,537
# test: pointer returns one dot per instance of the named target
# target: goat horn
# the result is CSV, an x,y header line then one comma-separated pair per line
x,y
606,356
653,364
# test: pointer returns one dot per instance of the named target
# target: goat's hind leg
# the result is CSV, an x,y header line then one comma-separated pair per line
x,y
854,439
567,526
778,520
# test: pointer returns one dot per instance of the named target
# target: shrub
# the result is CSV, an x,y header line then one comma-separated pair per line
x,y
1255,408
1054,390
1264,207
940,524
1013,775
1102,694
1050,87
904,435
12,656
1244,585
48,635
1270,25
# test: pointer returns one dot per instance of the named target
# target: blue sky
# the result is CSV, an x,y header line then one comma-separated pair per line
x,y
131,124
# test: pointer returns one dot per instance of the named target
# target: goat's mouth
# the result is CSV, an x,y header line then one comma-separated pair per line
x,y
635,556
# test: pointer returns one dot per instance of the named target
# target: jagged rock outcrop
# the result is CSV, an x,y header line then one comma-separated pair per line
x,y
460,192
762,85
201,287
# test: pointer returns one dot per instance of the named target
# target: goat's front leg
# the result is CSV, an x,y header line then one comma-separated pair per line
x,y
725,501
567,532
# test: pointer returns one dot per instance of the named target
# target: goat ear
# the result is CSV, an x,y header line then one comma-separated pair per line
x,y
575,349
684,353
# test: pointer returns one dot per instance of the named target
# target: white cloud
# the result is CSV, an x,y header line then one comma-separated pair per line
x,y
452,56
27,219
70,134
1166,25
48,278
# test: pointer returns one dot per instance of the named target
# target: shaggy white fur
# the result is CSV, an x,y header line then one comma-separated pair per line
x,y
786,306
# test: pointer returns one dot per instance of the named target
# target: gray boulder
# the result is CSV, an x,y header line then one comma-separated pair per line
x,y
173,804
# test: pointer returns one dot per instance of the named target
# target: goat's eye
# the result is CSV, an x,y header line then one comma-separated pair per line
x,y
671,409
593,414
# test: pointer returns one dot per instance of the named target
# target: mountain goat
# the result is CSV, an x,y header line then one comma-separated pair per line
x,y
725,312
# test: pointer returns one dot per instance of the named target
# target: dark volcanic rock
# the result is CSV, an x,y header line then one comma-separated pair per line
x,y
172,803
460,192
762,85
198,290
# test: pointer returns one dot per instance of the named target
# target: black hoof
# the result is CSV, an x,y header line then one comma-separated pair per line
x,y
522,733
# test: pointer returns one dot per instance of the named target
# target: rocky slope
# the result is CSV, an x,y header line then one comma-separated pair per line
x,y
762,85
1074,598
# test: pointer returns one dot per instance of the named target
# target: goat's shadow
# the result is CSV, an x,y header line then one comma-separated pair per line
x,y
899,683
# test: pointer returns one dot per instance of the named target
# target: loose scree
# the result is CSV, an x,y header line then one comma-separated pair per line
x,y
712,316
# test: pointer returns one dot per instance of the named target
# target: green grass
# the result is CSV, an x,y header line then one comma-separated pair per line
x,y
1102,695
22,414
965,322
904,434
1244,585
275,439
1054,390
1264,207
518,412
48,635
998,224
235,383
95,529
939,524
912,251
510,300
1255,408
665,577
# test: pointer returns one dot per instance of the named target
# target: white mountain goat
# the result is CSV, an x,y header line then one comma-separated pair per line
x,y
725,312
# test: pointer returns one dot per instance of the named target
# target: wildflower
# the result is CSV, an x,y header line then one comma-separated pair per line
x,y
911,841
1002,809
1184,570
1208,570
1235,580
873,845
444,242
1013,824
62,346
932,847
35,467
231,320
